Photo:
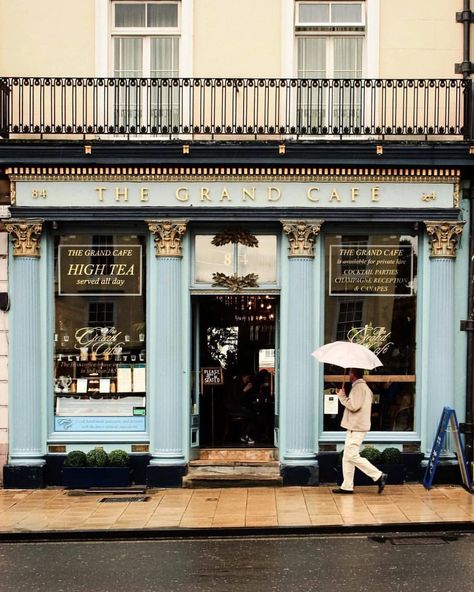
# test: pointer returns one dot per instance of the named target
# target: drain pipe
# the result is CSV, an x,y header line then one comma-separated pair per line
x,y
466,17
467,428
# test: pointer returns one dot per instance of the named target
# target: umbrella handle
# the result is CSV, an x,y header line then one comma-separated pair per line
x,y
343,381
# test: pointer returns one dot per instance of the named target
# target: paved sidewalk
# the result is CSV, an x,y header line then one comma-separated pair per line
x,y
23,511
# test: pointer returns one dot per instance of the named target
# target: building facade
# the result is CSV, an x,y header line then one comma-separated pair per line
x,y
195,200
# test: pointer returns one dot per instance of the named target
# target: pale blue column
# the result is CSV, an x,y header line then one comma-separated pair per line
x,y
166,431
298,391
300,420
25,409
166,422
443,241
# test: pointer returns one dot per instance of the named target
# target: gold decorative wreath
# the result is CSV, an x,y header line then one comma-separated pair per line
x,y
235,236
235,282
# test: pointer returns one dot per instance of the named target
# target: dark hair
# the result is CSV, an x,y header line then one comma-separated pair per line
x,y
358,372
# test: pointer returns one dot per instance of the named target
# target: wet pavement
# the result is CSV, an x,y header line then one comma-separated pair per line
x,y
56,510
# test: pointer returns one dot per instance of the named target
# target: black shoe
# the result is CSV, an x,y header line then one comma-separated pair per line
x,y
381,482
344,491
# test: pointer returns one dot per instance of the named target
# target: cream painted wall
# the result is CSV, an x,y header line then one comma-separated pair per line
x,y
420,38
47,37
237,38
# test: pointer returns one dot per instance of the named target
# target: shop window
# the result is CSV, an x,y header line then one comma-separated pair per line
x,y
371,298
330,40
100,343
253,257
145,43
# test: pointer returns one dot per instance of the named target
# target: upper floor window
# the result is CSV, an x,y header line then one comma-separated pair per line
x,y
145,44
145,39
330,39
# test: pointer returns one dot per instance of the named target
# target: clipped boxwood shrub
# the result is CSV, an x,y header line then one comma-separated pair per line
x,y
391,456
118,458
76,458
371,454
97,458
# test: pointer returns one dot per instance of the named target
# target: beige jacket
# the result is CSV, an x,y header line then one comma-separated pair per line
x,y
358,407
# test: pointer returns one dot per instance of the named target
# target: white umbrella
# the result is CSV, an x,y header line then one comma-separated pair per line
x,y
347,355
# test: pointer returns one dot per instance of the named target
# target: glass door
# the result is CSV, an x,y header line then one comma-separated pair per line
x,y
235,371
195,386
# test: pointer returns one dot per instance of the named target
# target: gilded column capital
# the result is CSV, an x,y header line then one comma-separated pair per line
x,y
26,235
302,235
168,235
443,237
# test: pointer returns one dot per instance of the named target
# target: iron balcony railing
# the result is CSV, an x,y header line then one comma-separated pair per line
x,y
218,107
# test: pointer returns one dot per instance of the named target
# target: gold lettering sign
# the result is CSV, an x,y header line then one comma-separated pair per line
x,y
385,270
84,269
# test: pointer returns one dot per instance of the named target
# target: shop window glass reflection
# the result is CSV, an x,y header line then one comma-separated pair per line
x,y
370,298
234,258
100,337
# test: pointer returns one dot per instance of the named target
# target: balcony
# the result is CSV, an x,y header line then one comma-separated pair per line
x,y
235,108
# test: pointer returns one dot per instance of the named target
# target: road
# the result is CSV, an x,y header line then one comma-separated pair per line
x,y
404,562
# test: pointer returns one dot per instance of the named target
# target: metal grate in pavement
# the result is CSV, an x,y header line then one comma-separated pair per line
x,y
121,499
417,540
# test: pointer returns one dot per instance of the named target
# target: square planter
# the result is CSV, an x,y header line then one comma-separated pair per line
x,y
396,475
87,477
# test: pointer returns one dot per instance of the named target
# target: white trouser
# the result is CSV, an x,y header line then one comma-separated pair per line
x,y
353,459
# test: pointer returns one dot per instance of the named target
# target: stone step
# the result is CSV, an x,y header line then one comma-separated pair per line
x,y
233,473
238,454
219,480
234,468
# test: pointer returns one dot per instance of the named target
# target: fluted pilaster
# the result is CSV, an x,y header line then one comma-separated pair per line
x,y
26,438
166,431
300,418
443,238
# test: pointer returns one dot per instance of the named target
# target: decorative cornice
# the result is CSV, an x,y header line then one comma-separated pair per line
x,y
210,173
168,235
443,237
26,235
302,236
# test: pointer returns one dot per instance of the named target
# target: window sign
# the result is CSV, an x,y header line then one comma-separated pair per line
x,y
99,270
212,376
100,336
371,270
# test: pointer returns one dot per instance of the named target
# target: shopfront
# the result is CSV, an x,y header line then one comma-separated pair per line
x,y
142,300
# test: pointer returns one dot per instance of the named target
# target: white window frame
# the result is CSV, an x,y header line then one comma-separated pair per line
x,y
105,33
367,29
330,32
104,44
144,33
289,62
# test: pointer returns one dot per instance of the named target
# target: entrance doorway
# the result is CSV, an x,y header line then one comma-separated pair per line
x,y
235,345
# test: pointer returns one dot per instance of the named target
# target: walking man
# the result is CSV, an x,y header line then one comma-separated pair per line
x,y
356,420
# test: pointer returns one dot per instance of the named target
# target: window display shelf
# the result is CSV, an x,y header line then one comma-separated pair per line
x,y
372,377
